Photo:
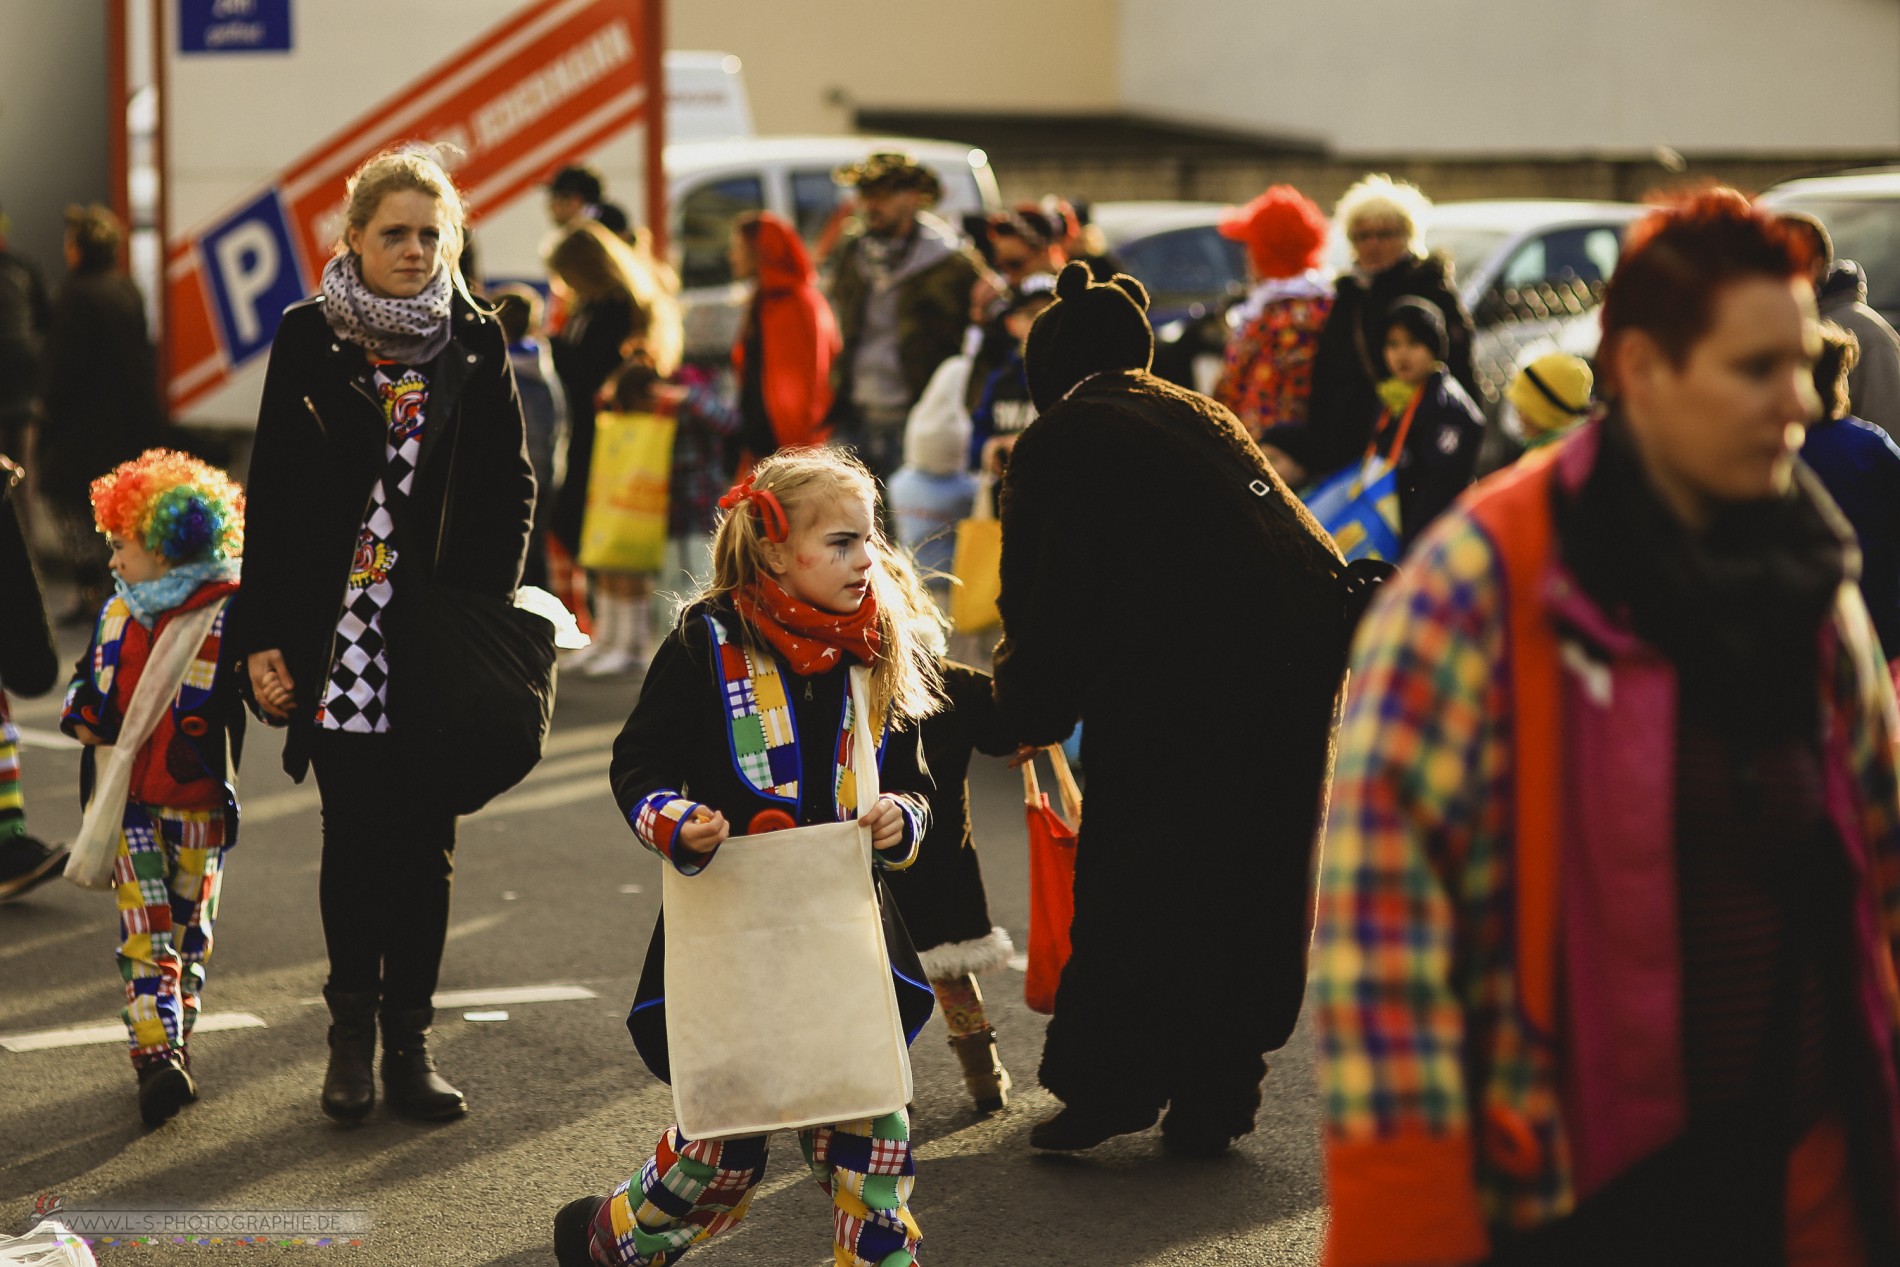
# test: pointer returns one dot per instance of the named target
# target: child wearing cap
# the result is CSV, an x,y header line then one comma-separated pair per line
x,y
1003,408
176,527
1550,396
1428,421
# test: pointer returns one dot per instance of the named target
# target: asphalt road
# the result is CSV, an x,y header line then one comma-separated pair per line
x,y
550,890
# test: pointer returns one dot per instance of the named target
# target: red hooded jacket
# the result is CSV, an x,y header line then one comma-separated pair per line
x,y
798,338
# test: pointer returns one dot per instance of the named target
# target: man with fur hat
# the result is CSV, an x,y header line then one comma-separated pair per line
x,y
901,293
1161,582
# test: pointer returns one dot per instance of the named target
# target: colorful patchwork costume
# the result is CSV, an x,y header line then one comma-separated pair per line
x,y
180,813
736,725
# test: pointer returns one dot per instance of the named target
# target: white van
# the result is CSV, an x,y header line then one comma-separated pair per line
x,y
712,183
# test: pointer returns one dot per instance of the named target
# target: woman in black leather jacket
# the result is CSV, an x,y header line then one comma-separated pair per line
x,y
386,392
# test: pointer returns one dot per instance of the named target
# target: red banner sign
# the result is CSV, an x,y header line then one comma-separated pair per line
x,y
539,90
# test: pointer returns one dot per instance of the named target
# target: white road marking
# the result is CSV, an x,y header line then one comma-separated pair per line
x,y
449,1000
570,753
46,709
529,798
51,740
81,1035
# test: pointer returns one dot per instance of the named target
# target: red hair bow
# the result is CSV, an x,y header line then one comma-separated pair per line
x,y
772,519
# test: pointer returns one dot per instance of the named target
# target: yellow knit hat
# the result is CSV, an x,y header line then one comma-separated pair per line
x,y
1551,393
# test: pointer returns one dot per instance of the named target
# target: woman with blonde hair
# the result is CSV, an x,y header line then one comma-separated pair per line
x,y
621,300
1385,221
390,455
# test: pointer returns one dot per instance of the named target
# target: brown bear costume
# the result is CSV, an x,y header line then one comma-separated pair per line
x,y
1160,582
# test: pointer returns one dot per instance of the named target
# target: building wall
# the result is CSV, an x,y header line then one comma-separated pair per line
x,y
52,121
1443,178
808,66
1539,77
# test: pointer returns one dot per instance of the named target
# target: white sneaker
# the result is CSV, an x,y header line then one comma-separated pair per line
x,y
611,663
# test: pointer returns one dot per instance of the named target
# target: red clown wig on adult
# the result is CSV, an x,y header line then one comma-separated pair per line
x,y
1678,258
1283,231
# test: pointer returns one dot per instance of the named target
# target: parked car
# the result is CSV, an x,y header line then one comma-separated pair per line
x,y
711,183
1532,273
1862,213
1529,271
1192,274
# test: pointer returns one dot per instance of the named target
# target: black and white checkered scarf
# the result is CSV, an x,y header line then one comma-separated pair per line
x,y
407,331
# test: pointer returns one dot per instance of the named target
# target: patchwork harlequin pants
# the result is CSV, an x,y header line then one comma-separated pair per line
x,y
12,804
692,1189
169,869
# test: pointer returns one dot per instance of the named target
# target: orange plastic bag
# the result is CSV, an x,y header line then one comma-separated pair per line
x,y
1051,881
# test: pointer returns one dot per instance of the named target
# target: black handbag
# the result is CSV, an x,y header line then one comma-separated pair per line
x,y
474,699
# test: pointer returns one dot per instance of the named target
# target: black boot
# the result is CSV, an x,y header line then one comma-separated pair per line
x,y
349,1084
164,1088
1082,1126
574,1232
410,1081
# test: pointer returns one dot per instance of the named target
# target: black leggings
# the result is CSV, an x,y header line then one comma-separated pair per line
x,y
388,858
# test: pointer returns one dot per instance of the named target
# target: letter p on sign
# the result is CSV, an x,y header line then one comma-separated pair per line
x,y
252,272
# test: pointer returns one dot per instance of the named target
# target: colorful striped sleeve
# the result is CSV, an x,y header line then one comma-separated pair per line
x,y
656,821
916,821
1421,756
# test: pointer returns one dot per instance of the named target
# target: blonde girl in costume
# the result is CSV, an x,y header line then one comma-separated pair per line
x,y
176,528
746,705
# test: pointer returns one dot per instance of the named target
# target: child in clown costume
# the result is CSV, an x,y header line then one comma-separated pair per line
x,y
747,705
176,527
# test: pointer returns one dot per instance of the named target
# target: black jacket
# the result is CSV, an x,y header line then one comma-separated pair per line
x,y
29,663
1441,453
586,352
1349,363
321,440
941,894
101,385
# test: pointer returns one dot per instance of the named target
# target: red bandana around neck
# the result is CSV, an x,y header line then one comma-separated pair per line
x,y
810,638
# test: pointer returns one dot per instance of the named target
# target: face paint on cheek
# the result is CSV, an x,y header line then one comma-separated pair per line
x,y
805,562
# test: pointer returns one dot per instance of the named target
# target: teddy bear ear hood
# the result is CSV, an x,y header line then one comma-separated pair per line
x,y
1091,328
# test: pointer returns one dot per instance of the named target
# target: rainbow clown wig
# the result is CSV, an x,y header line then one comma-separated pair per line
x,y
179,508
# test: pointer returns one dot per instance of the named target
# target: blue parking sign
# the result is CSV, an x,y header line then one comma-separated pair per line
x,y
234,26
252,273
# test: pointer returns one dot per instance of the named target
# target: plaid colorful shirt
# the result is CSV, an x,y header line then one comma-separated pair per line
x,y
1417,984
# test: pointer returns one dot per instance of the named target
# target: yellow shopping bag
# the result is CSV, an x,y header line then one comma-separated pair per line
x,y
977,567
625,528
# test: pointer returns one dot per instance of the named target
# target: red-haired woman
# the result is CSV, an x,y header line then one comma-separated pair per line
x,y
1268,374
784,353
1605,964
